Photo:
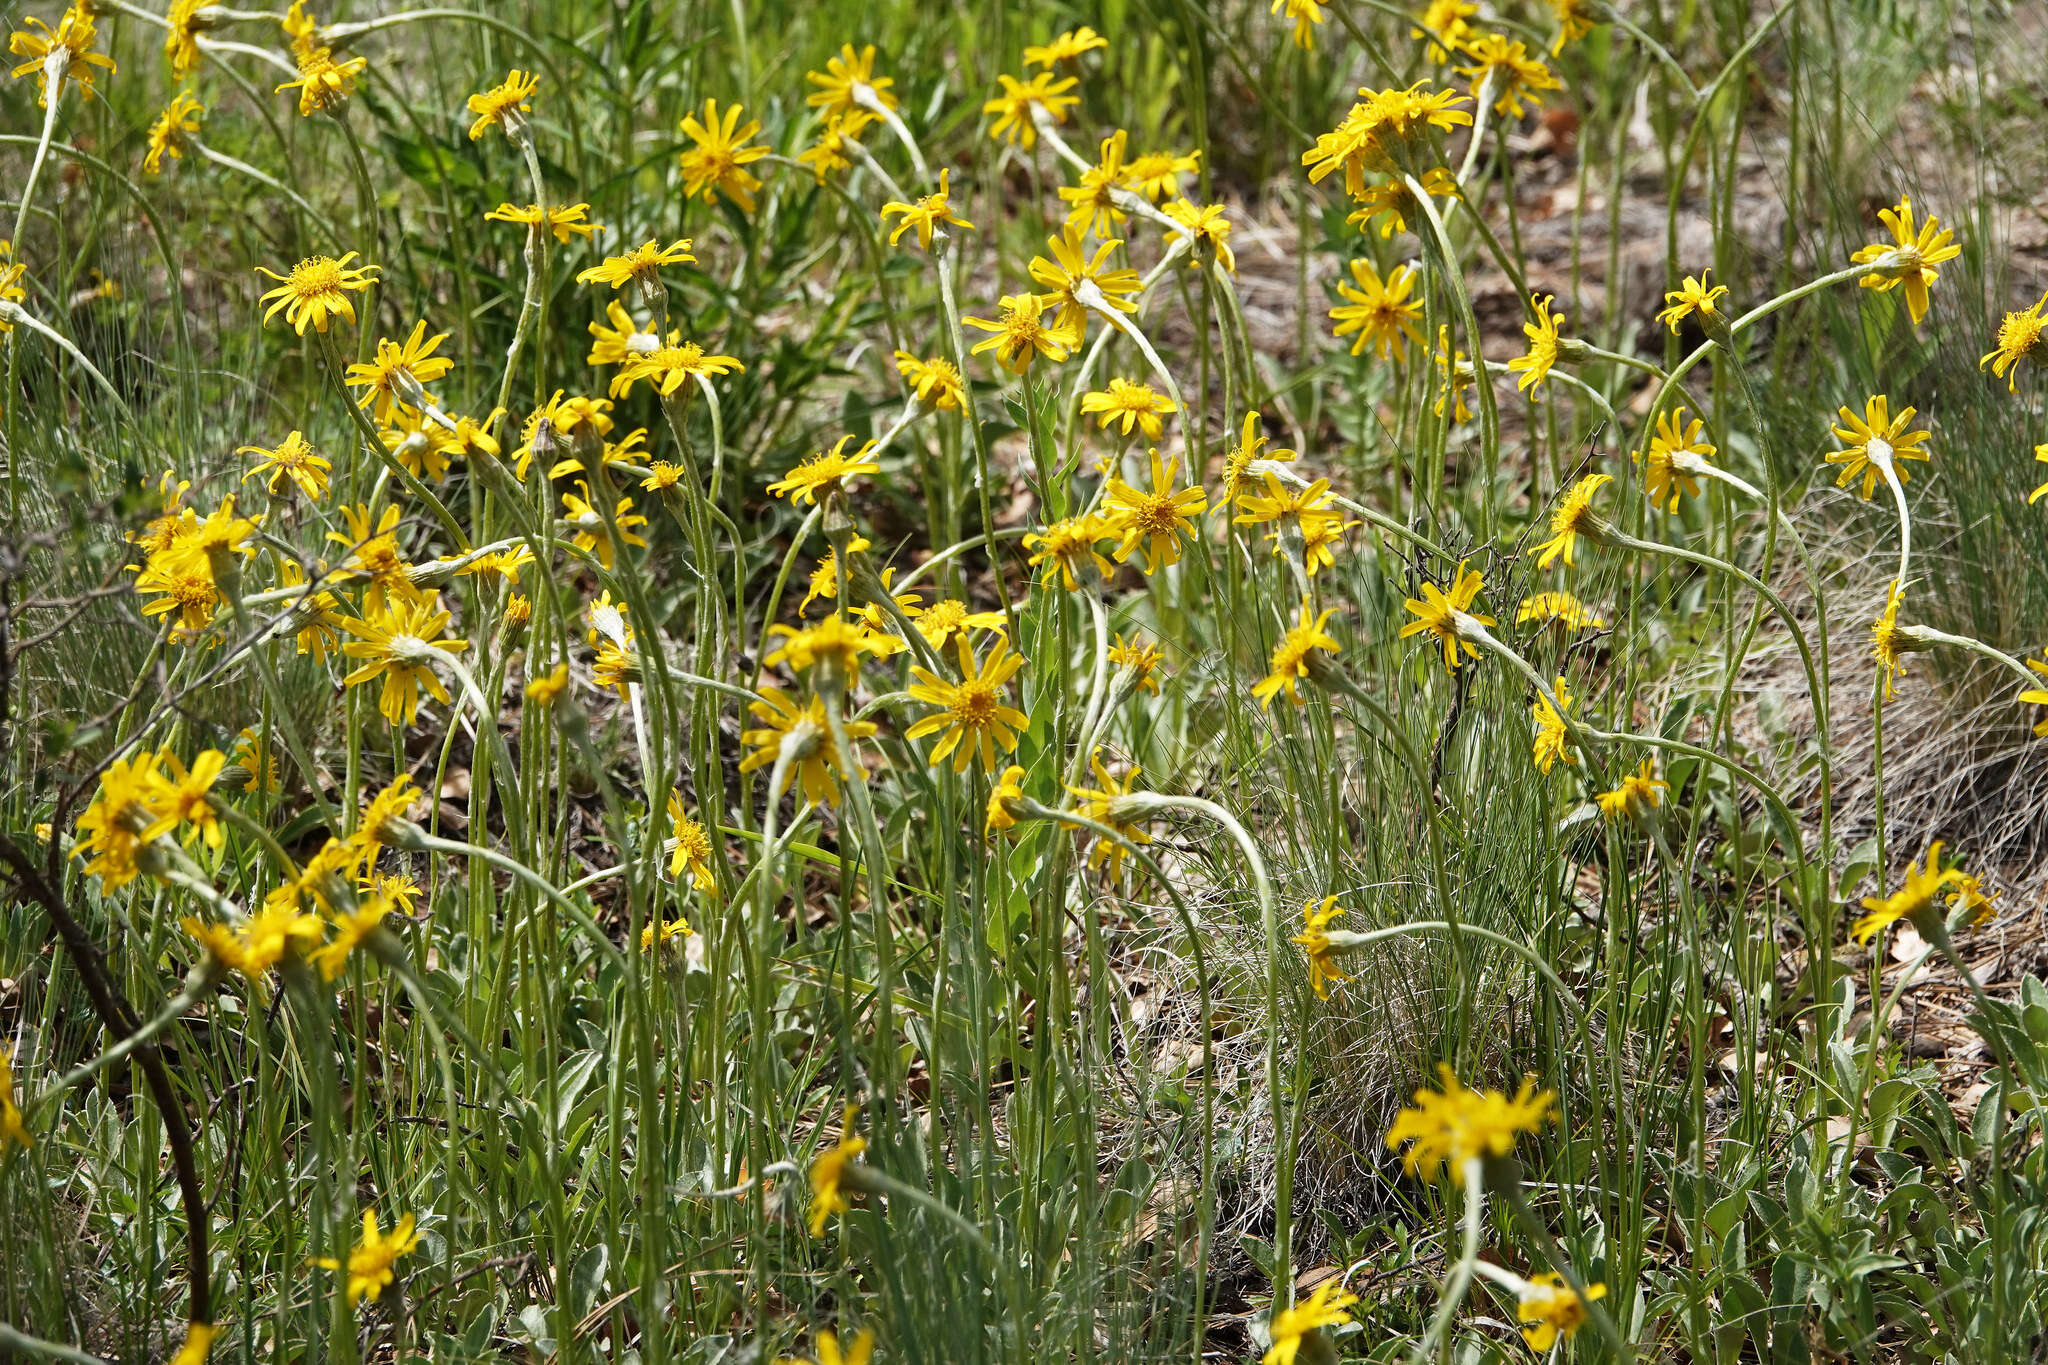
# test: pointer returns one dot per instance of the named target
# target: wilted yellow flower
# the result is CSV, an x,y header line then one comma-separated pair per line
x,y
1456,1125
828,153
1876,441
1910,258
369,1264
316,289
1381,312
504,105
717,160
1640,793
1887,642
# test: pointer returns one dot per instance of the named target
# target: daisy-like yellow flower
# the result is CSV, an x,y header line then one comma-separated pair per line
x,y
323,81
668,366
1064,546
301,30
1305,15
642,265
75,35
1450,1127
1543,342
1156,175
198,1344
294,459
1574,517
1689,298
317,289
399,645
1446,23
260,942
948,617
2019,338
1875,441
400,371
835,642
593,535
802,729
1561,607
1293,1325
1241,460
1132,405
619,338
1553,741
1969,896
419,443
1671,467
1315,941
1141,659
657,931
505,564
1080,283
11,290
370,1262
167,135
1381,313
249,756
716,162
182,25
936,381
927,215
1290,661
972,718
1516,75
110,829
1887,642
692,849
547,688
1094,199
1065,47
566,221
1282,503
318,612
845,79
1454,375
1155,519
1100,803
183,796
1916,899
1022,334
1910,258
828,1173
1553,1309
828,153
1574,21
1382,122
1207,228
504,105
1640,792
350,929
12,1129
1009,789
1320,539
1016,106
1394,201
826,472
1439,613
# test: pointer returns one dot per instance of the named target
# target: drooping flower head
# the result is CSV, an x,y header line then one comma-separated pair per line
x,y
1574,517
1315,941
167,136
66,52
1640,792
828,1173
1017,107
504,105
1876,442
1693,296
1915,900
1671,466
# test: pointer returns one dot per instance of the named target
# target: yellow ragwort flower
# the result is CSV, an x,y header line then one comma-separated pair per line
x,y
1305,15
642,265
1155,519
1207,229
1065,47
1516,76
399,371
2019,338
323,82
1017,106
565,221
692,849
12,1129
825,472
1094,199
846,79
370,1262
929,214
1876,441
398,646
1080,284
1543,340
1100,804
1915,900
1910,258
936,381
1671,467
1140,658
1394,201
1064,546
1382,313
1440,613
504,105
972,718
1008,789
65,51
1640,792
716,161
1553,741
1130,404
167,135
594,535
317,289
1574,517
802,730
1689,298
1446,24
1561,607
1022,335
293,459
1455,1126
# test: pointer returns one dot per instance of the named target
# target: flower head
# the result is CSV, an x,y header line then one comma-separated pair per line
x,y
1574,517
1876,441
1446,24
834,642
565,221
62,53
294,460
828,1173
692,846
1017,106
1888,642
398,645
1022,335
1305,15
1140,659
545,689
1102,804
1379,313
1691,297
1008,789
595,532
802,731
1640,792
1561,607
1543,344
1516,76
935,381
1129,404
929,214
826,472
1443,614
1094,199
1553,741
1394,201
716,161
1910,258
370,1262
1156,175
973,718
847,88
183,796
1671,467
1289,1327
12,1129
399,372
323,82
167,135
504,105
1207,229
1080,283
1315,941
1454,1126
316,289
642,265
1064,546
2019,338
1380,124
351,929
1915,900
1553,1309
1574,21
668,366
1156,518
1065,47
1454,375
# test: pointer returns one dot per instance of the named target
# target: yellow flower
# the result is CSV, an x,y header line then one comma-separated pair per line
x,y
323,82
1393,200
12,1129
183,798
11,291
1676,455
1250,450
1379,124
692,846
386,814
1064,546
1078,283
1131,404
399,371
1021,336
167,134
566,221
1574,517
1016,107
1094,199
260,942
717,163
419,443
1640,793
593,534
1155,519
75,34
1456,1125
1439,613
2019,338
263,776
198,1344
1574,21
828,153
369,1264
504,105
936,381
846,77
300,28
1553,741
547,688
1315,941
1454,370
1561,607
947,617
1554,1309
1691,297
399,646
1141,658
1381,312
1306,14
928,214
1875,441
1320,537
1887,642
642,265
617,342
1910,258
294,459
563,419
1066,47
973,717
834,641
318,612
1009,788
826,472
1444,24
1281,503
1208,232
1291,657
1914,900
316,289
112,825
506,564
350,929
1291,1326
803,731
373,550
1969,895
400,890
828,1173
656,931
1156,175
1543,339
1099,803
2040,457
181,37
666,367
1516,75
